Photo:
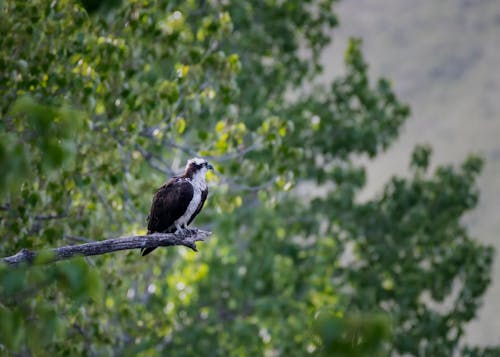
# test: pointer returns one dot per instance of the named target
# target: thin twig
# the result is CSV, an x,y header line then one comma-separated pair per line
x,y
185,149
86,336
105,203
50,216
241,187
234,155
78,239
229,156
149,157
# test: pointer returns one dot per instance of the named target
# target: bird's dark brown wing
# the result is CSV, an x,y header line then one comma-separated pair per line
x,y
204,195
169,203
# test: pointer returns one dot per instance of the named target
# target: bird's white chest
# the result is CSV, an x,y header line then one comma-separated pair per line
x,y
198,187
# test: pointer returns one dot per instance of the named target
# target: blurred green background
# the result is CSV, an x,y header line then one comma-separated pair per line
x,y
439,56
101,103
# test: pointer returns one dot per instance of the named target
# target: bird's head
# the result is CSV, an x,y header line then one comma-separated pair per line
x,y
197,167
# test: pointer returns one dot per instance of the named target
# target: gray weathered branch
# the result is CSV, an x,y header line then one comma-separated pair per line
x,y
112,245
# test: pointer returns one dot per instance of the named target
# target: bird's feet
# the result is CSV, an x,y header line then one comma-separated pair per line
x,y
192,231
186,232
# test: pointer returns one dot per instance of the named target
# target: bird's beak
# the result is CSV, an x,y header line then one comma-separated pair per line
x,y
210,167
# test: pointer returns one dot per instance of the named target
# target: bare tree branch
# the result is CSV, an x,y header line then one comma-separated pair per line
x,y
185,149
241,187
50,217
150,158
112,245
237,154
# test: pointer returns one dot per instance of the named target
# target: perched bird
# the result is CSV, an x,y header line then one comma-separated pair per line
x,y
178,202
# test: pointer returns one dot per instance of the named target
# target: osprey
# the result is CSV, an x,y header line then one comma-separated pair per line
x,y
178,202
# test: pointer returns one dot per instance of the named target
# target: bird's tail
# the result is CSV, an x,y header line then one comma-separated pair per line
x,y
146,251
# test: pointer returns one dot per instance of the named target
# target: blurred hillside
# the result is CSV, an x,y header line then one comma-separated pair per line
x,y
442,58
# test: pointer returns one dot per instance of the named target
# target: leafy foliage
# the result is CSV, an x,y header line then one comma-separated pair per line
x,y
100,104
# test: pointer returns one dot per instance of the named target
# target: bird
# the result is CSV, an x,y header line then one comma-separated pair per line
x,y
178,202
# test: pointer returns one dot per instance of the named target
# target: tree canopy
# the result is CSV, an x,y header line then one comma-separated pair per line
x,y
99,104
